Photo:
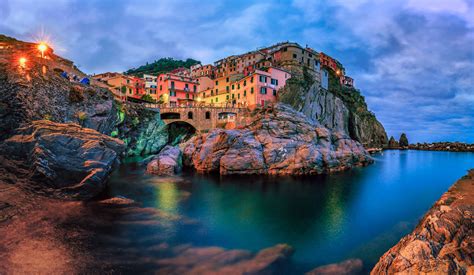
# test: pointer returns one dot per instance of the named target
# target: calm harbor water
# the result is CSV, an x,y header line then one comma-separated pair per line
x,y
359,213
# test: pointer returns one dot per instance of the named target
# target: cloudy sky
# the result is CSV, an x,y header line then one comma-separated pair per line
x,y
412,59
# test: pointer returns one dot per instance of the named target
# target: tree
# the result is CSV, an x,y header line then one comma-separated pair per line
x,y
148,98
403,140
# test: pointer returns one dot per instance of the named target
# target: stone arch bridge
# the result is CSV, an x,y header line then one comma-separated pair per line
x,y
202,118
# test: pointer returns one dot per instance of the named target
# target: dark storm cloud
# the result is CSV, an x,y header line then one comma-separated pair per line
x,y
412,59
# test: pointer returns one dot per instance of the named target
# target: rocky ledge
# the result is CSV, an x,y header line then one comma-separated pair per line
x,y
442,243
168,162
277,141
443,146
59,159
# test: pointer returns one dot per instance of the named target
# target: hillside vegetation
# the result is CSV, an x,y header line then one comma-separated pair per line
x,y
161,65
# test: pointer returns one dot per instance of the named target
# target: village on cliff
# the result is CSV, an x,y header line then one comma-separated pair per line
x,y
247,80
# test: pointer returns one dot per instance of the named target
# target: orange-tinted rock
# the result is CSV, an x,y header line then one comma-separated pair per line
x,y
443,241
167,162
347,267
278,140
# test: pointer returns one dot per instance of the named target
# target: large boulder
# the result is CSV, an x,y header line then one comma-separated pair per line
x,y
277,140
347,267
58,159
442,243
168,162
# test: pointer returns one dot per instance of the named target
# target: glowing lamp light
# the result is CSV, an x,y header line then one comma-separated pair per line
x,y
22,62
42,48
338,72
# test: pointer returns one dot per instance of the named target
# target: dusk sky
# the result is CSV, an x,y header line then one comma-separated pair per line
x,y
412,60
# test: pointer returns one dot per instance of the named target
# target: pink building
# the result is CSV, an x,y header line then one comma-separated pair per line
x,y
175,89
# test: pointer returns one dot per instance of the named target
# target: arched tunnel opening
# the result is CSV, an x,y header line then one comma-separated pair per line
x,y
179,132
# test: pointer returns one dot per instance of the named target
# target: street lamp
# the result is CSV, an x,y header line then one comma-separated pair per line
x,y
42,48
22,62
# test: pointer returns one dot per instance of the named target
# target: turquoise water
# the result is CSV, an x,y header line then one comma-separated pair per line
x,y
359,213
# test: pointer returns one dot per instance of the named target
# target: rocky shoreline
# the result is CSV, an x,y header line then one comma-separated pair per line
x,y
443,146
442,243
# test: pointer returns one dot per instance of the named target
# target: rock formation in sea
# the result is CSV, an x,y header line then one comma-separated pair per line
x,y
442,243
443,146
339,108
392,143
277,140
403,141
57,159
347,267
168,162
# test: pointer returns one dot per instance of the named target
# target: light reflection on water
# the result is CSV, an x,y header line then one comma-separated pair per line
x,y
359,213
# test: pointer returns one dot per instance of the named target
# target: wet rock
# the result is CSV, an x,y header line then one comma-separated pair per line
x,y
216,260
277,140
59,159
442,243
168,162
347,267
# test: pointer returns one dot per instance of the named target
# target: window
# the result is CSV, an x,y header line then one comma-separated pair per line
x,y
216,91
217,99
217,82
194,88
227,79
245,93
208,114
190,115
274,92
295,56
161,87
274,81
238,86
251,90
187,95
186,86
285,49
227,97
251,79
245,83
172,84
227,88
263,90
233,87
238,96
263,79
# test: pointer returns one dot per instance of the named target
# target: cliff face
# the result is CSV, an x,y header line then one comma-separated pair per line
x,y
442,243
277,141
38,92
142,130
340,108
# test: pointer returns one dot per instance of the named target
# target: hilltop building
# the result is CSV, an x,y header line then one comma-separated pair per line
x,y
150,84
259,88
176,89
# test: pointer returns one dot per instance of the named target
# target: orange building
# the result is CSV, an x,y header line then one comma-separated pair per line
x,y
258,89
175,89
123,86
199,70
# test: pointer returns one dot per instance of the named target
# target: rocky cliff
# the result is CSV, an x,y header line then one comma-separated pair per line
x,y
277,140
37,92
142,130
339,108
442,243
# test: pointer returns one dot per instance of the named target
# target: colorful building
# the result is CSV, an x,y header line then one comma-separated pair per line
x,y
258,89
123,86
199,70
150,84
176,89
